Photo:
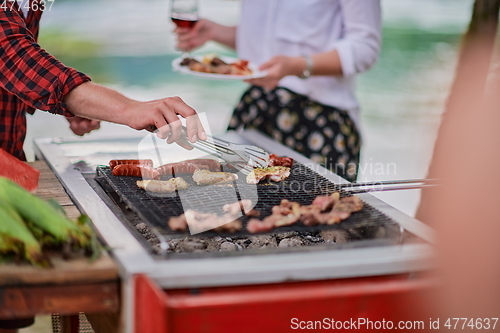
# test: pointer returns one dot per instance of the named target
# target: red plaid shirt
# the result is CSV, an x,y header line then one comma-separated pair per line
x,y
30,78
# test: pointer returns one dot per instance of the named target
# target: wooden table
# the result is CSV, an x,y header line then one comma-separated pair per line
x,y
70,287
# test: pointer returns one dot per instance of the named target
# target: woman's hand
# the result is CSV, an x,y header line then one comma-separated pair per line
x,y
277,68
192,38
202,32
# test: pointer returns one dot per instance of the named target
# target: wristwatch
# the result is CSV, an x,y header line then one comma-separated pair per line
x,y
307,71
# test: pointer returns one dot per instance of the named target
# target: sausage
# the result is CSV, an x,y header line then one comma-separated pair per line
x,y
136,170
211,164
148,163
188,167
275,160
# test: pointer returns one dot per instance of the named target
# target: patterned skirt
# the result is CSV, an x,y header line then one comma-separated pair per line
x,y
323,133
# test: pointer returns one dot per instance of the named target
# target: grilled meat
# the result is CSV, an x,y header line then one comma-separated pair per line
x,y
135,170
178,223
276,174
325,202
218,66
275,160
244,205
163,186
231,227
188,167
188,61
146,162
255,225
329,210
350,204
206,177
217,62
207,221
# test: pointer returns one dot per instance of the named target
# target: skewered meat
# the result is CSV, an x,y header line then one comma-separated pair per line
x,y
275,160
145,162
206,177
135,170
276,174
163,186
188,167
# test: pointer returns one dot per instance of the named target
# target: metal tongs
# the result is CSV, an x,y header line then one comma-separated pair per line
x,y
242,157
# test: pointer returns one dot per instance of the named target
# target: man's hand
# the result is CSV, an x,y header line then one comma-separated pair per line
x,y
162,114
81,126
93,101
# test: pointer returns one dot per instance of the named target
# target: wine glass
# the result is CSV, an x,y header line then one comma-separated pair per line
x,y
184,14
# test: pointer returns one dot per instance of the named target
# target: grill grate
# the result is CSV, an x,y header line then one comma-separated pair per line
x,y
302,186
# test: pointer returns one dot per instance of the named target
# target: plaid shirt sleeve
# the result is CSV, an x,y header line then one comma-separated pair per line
x,y
29,72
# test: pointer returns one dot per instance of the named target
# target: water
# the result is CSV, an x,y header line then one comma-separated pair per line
x,y
127,45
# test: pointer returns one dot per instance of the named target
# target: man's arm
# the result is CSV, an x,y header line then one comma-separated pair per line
x,y
93,101
44,83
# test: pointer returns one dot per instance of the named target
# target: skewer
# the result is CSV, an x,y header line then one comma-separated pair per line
x,y
382,189
389,182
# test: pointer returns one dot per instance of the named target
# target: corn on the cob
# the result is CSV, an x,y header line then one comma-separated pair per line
x,y
16,237
43,215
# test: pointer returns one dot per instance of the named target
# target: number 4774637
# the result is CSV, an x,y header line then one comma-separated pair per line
x,y
471,323
41,5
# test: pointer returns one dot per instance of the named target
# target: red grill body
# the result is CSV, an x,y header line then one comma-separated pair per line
x,y
272,307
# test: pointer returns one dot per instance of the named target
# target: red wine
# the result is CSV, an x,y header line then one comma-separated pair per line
x,y
184,23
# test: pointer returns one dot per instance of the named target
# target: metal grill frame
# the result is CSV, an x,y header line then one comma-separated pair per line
x,y
155,211
224,271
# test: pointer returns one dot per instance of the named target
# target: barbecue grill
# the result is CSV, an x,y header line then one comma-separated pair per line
x,y
115,204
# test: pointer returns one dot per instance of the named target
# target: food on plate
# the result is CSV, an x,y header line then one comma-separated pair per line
x,y
276,174
144,162
135,170
206,177
323,210
275,160
189,167
163,186
18,171
215,65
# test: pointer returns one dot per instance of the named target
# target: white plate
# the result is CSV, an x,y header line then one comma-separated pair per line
x,y
176,64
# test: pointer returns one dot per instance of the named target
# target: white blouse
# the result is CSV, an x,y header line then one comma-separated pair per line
x,y
305,27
